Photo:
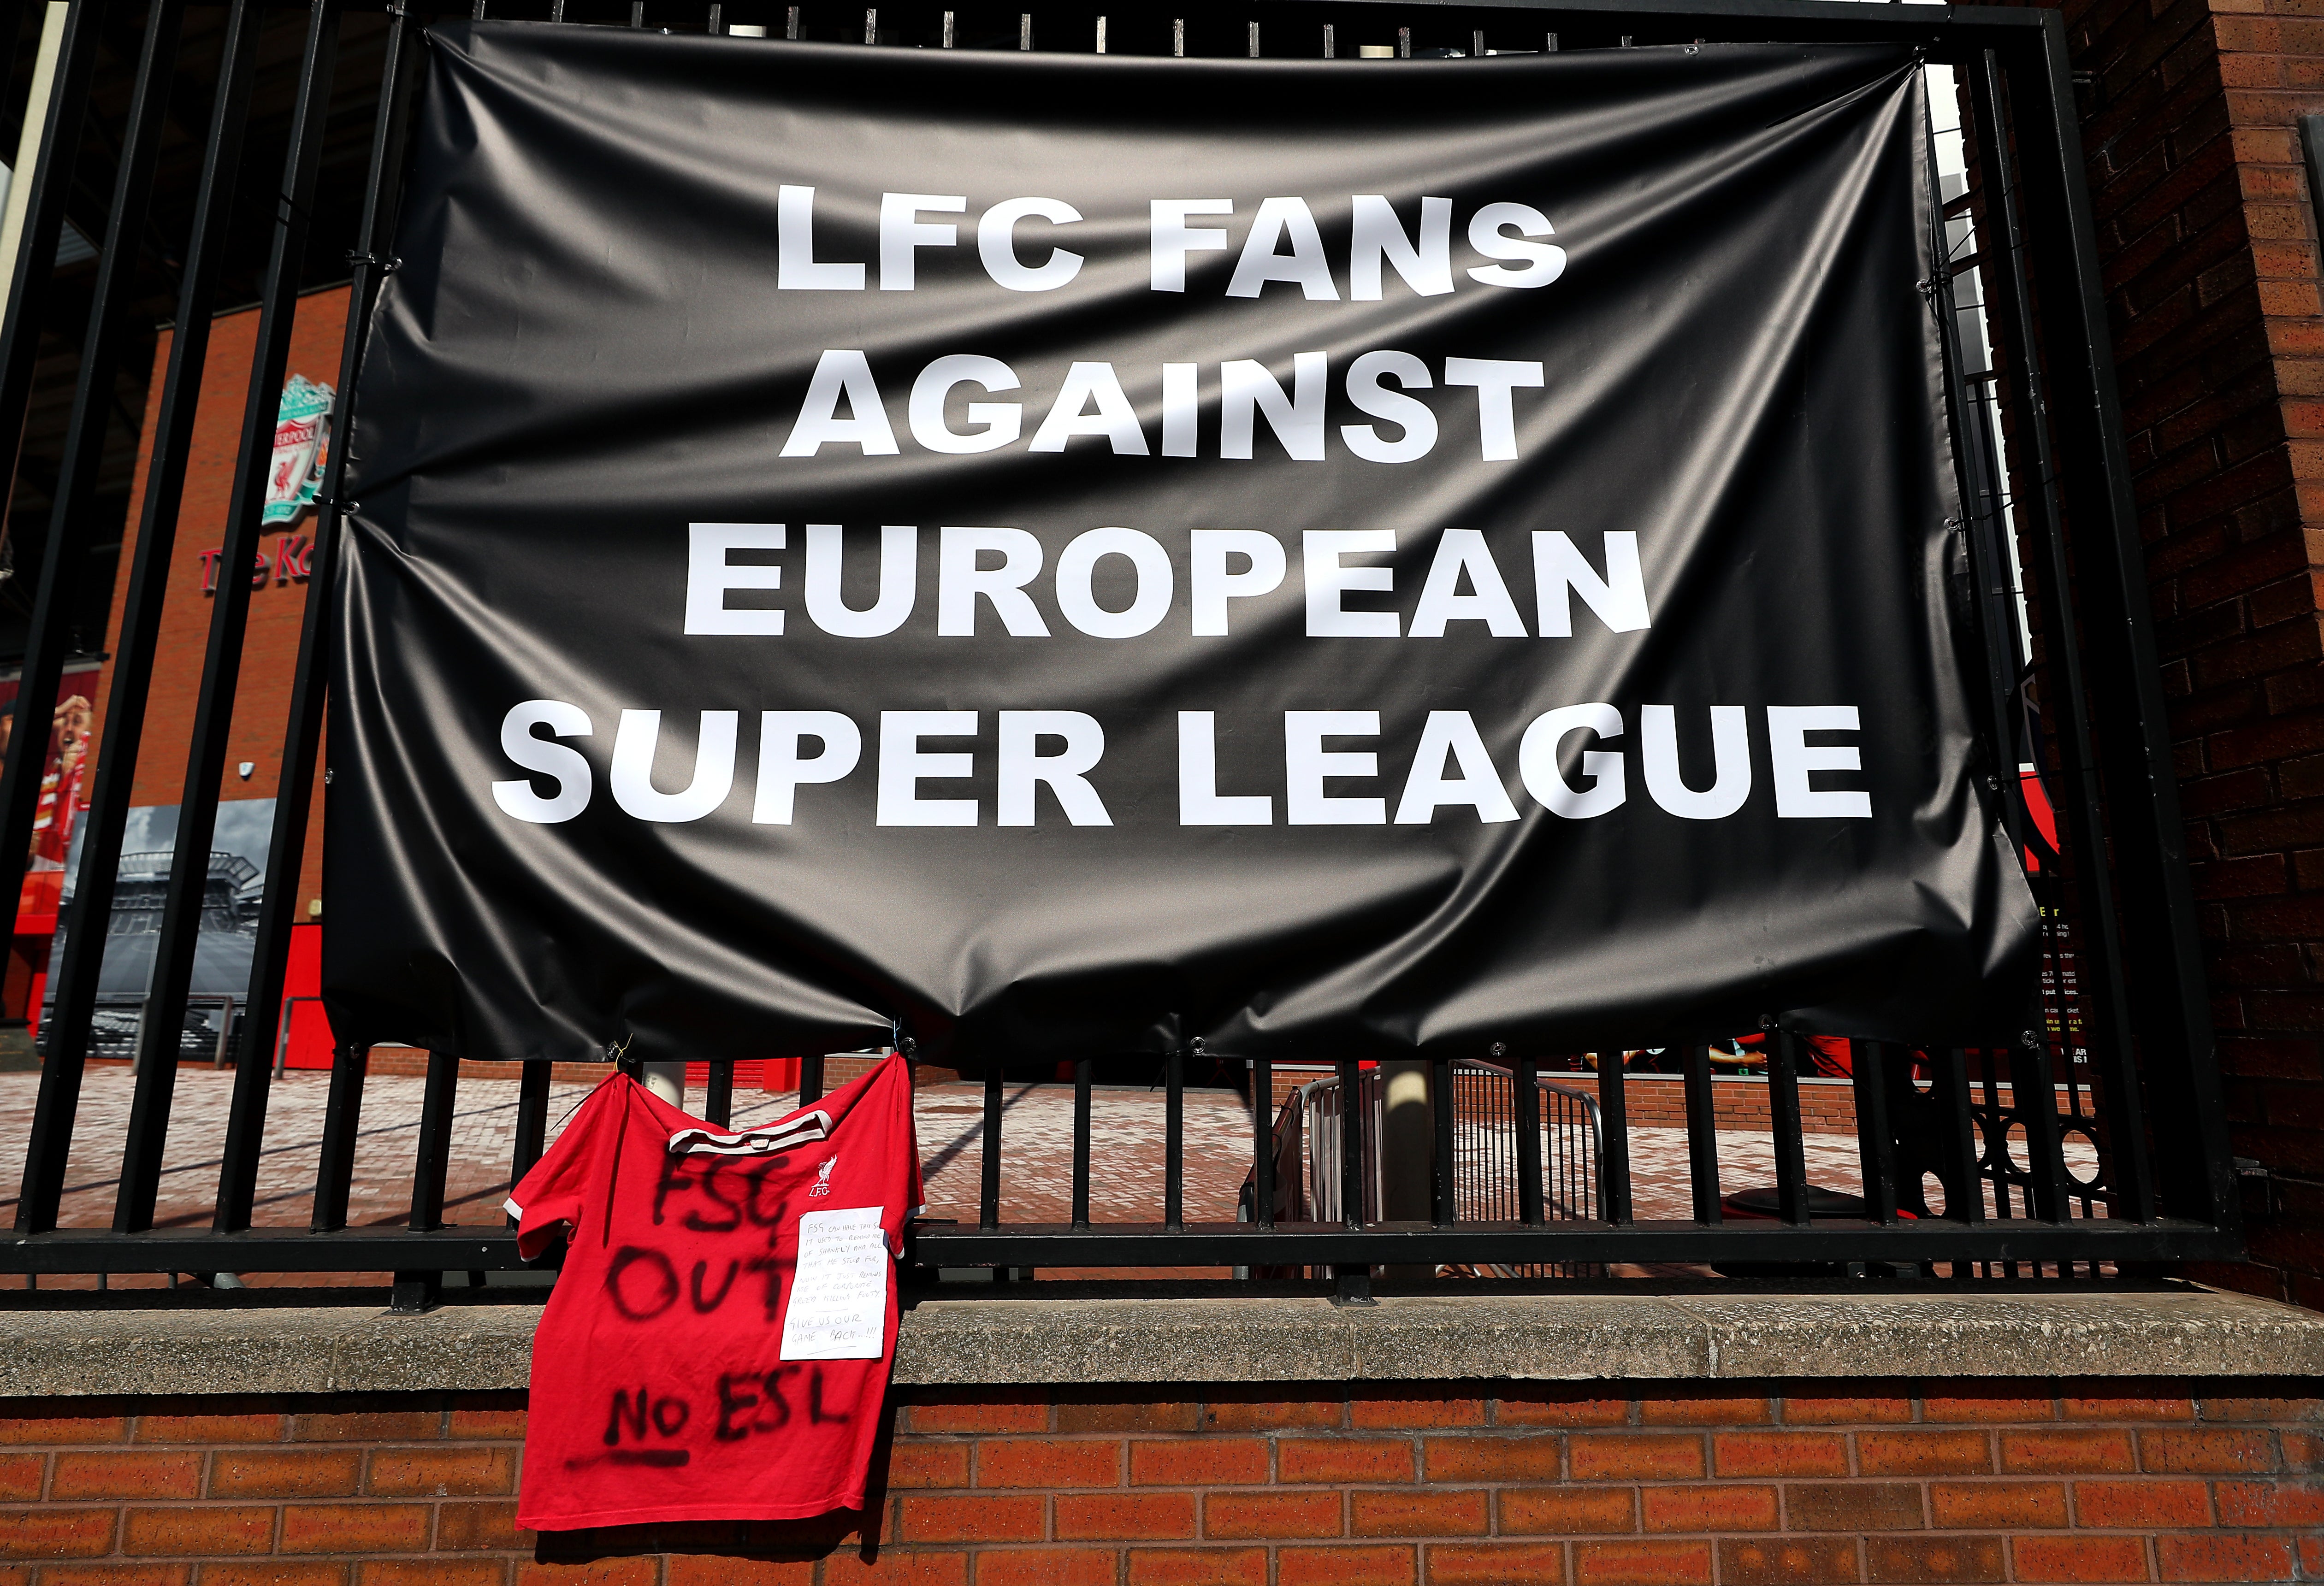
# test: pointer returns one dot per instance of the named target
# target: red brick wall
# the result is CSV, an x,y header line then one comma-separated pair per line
x,y
2209,248
2026,1481
1826,1106
271,645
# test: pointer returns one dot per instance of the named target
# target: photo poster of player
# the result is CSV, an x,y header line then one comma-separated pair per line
x,y
223,948
60,793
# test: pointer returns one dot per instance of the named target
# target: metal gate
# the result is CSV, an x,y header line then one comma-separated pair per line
x,y
2093,1140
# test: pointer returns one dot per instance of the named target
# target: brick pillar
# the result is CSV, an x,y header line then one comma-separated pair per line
x,y
2190,119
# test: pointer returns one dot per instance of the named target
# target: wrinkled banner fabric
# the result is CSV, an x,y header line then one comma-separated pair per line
x,y
1063,554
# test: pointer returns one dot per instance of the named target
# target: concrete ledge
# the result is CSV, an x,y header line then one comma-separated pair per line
x,y
1574,1338
306,1350
1130,1340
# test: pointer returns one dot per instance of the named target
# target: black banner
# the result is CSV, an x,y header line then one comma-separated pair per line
x,y
1068,554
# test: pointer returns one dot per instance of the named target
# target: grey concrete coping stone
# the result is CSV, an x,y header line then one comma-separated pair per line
x,y
2183,1331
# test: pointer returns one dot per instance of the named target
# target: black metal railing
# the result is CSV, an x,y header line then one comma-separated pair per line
x,y
2090,1142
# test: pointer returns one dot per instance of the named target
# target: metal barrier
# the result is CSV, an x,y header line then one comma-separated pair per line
x,y
282,1039
2128,1045
1309,1143
1485,1147
116,1028
1485,1150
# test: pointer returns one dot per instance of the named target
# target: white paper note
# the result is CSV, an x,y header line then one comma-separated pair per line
x,y
838,1308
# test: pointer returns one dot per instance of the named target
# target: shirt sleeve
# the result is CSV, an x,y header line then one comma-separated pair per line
x,y
915,1194
916,1199
554,1194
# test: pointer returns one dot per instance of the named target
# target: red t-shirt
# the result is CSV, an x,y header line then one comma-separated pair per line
x,y
660,1389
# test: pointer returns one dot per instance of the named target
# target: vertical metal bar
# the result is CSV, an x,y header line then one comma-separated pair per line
x,y
718,1105
1024,30
1254,41
1784,1115
1975,460
51,181
1585,1160
1080,1142
1876,1132
2035,1092
1996,1149
947,31
116,277
1978,457
1174,1140
1701,1136
342,1119
1464,1165
432,1160
1614,1126
182,907
1442,1201
792,23
1558,1198
1351,1145
1957,1136
1403,43
871,26
1331,43
2175,1036
2146,853
1178,36
75,978
1495,1177
987,1198
1101,35
715,25
1526,1094
2104,985
811,1079
1477,44
1479,1145
1262,1141
531,1117
303,732
637,13
1551,47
